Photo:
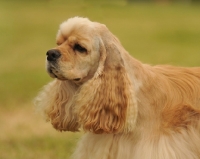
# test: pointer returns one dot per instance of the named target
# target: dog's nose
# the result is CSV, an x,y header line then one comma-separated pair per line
x,y
53,55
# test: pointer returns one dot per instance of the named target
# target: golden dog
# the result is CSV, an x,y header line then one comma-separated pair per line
x,y
128,110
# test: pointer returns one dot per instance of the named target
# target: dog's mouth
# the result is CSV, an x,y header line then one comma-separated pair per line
x,y
54,73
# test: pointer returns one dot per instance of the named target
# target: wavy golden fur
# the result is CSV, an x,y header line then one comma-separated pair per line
x,y
128,110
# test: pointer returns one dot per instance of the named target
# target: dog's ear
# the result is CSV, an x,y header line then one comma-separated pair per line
x,y
55,103
106,103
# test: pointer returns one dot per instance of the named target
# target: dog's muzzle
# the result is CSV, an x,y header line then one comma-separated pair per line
x,y
52,66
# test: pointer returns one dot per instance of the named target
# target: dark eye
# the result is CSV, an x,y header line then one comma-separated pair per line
x,y
79,48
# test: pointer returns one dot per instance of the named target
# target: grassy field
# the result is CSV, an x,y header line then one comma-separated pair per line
x,y
152,33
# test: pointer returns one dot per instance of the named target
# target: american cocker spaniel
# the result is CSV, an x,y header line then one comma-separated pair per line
x,y
127,109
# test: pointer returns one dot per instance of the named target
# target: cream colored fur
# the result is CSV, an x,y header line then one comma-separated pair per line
x,y
128,110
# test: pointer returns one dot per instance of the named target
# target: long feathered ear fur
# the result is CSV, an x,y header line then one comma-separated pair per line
x,y
55,102
106,103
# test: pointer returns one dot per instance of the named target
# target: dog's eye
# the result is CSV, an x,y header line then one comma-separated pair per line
x,y
79,48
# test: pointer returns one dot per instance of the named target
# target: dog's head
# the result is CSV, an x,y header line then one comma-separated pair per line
x,y
93,87
76,57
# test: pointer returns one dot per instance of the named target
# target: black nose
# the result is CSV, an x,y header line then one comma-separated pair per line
x,y
53,55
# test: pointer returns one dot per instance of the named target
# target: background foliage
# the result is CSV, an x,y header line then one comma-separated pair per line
x,y
161,32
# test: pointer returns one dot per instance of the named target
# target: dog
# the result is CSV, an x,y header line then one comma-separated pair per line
x,y
127,109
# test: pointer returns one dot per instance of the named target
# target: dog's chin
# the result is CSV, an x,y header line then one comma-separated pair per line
x,y
55,74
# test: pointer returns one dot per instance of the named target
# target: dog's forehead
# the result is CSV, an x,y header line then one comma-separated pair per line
x,y
76,24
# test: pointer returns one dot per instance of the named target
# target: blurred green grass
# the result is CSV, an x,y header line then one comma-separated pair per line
x,y
153,33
